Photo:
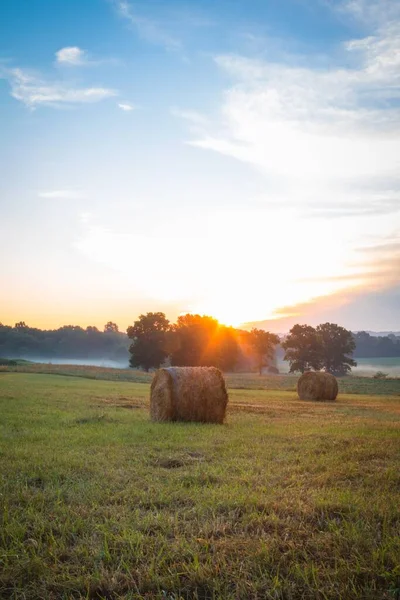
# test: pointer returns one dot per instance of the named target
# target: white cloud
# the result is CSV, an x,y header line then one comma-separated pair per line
x,y
148,29
337,124
327,141
62,194
126,106
375,12
71,55
33,91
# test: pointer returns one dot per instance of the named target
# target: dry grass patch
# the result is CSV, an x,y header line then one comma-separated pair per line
x,y
298,502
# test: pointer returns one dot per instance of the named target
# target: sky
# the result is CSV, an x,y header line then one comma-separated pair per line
x,y
238,158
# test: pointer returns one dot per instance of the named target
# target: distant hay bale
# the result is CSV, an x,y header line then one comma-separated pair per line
x,y
317,386
188,394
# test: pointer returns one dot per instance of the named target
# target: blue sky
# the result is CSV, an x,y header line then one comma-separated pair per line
x,y
239,159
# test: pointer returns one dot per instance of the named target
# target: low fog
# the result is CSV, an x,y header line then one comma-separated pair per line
x,y
87,362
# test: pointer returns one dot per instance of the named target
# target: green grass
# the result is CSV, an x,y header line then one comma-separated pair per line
x,y
347,385
287,500
84,371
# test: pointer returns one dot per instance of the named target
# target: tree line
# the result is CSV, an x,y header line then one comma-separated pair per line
x,y
196,340
69,341
371,346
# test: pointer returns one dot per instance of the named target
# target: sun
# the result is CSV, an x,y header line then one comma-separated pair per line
x,y
243,267
236,306
271,265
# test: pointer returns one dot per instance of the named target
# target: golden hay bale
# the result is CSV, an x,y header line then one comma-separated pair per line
x,y
317,386
188,394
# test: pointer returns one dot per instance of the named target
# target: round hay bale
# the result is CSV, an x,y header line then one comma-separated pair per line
x,y
188,394
317,386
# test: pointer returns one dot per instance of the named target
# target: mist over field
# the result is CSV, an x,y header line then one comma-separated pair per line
x,y
86,362
365,366
369,366
200,300
75,346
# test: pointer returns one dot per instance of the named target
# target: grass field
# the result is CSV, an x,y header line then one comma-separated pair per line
x,y
347,385
287,500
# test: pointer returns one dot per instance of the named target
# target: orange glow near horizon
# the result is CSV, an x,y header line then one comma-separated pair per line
x,y
241,271
123,317
261,190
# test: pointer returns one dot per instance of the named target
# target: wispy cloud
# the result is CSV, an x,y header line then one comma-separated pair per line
x,y
71,55
341,203
375,12
34,91
147,28
356,303
126,106
324,136
376,274
307,123
326,140
65,194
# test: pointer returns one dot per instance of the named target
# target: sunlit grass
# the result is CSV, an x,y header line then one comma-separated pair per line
x,y
351,384
289,499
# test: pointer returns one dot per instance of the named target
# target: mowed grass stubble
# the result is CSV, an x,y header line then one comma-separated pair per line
x,y
288,499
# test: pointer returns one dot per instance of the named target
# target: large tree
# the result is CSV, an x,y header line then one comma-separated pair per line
x,y
200,341
148,349
225,349
337,346
262,344
303,349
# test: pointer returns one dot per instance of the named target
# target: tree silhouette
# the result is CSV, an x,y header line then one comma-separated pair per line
x,y
303,349
200,341
337,346
328,346
148,349
263,345
111,327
